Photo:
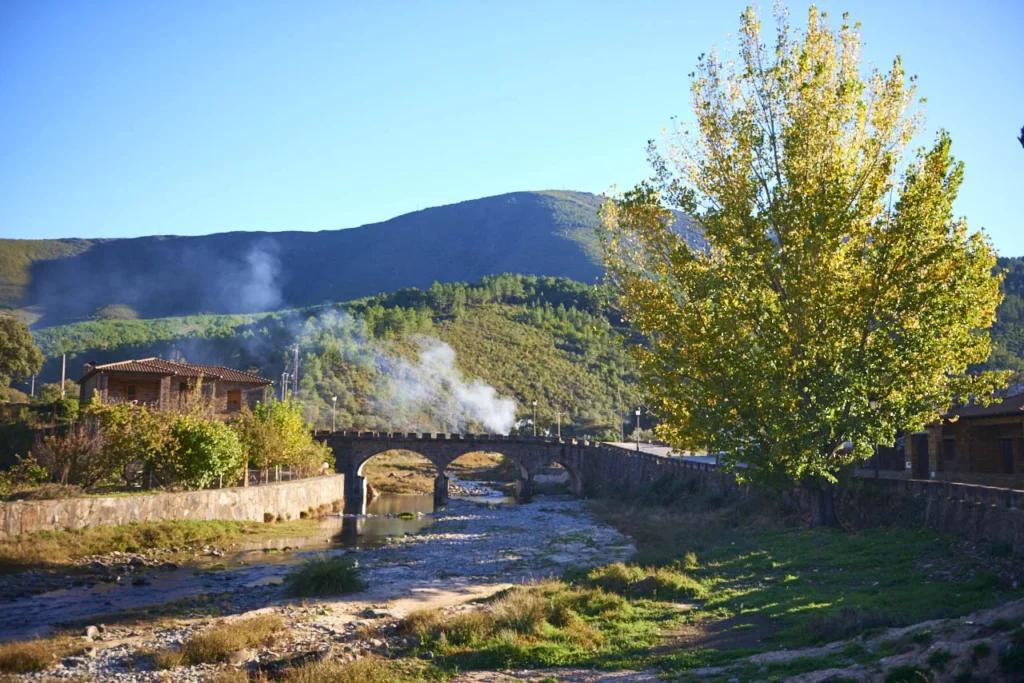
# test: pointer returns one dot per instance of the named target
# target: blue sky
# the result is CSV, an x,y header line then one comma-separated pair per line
x,y
123,119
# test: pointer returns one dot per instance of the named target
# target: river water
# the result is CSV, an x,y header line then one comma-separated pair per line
x,y
246,565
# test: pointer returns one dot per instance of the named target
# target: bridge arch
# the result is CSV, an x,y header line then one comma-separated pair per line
x,y
353,449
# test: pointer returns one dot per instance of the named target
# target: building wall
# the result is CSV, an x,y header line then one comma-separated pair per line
x,y
237,504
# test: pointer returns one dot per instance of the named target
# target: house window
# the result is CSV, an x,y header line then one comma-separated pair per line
x,y
234,401
129,392
183,387
948,453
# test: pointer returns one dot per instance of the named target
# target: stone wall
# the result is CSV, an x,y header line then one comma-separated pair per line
x,y
237,504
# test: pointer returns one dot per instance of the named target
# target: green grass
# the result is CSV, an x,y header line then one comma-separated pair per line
x,y
814,585
545,624
214,644
369,669
325,576
61,547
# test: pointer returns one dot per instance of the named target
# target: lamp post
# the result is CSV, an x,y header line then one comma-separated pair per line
x,y
637,429
284,386
559,414
334,412
535,417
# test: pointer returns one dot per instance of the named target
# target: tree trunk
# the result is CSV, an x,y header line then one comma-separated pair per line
x,y
823,505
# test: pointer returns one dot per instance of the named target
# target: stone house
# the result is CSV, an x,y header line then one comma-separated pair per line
x,y
164,384
972,444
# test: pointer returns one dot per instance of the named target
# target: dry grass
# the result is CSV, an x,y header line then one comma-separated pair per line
x,y
215,644
371,669
34,655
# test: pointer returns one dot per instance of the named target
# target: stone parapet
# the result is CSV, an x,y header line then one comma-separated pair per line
x,y
235,504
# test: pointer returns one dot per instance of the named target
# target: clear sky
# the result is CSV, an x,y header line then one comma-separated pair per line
x,y
132,118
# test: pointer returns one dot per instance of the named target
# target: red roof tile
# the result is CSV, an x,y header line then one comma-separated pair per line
x,y
158,366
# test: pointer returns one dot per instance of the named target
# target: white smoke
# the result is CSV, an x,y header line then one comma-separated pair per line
x,y
434,385
252,286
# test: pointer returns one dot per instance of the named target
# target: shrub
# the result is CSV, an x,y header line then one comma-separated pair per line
x,y
203,450
325,576
663,582
215,644
268,517
275,434
33,655
26,474
77,456
135,438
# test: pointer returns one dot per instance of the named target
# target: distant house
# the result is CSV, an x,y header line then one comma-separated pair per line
x,y
164,384
972,444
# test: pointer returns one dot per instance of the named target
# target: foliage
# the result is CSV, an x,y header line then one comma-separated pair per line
x,y
276,434
201,451
19,356
50,393
27,473
821,313
325,576
136,439
549,339
77,456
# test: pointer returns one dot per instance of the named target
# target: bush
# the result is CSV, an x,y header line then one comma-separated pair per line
x,y
203,450
135,438
668,583
76,457
325,576
370,669
268,517
274,434
26,474
215,644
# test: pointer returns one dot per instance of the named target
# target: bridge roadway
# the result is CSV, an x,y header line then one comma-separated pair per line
x,y
592,466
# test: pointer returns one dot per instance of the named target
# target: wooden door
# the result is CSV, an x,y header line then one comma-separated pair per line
x,y
1007,447
234,401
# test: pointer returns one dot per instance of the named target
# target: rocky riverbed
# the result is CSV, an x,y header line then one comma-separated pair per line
x,y
470,550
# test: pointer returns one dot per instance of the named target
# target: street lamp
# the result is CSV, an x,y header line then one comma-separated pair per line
x,y
559,415
535,417
334,411
637,429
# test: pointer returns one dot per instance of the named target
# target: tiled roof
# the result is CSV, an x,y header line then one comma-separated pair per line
x,y
1011,405
158,366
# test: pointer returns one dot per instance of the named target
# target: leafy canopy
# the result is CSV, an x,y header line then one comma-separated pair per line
x,y
838,299
19,356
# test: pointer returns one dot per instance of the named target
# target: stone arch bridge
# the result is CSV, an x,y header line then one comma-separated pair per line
x,y
594,468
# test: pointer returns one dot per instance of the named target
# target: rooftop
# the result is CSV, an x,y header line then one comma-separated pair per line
x,y
164,368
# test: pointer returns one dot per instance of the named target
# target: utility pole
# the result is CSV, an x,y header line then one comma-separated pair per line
x,y
295,374
334,412
559,415
63,371
618,414
284,386
535,417
638,429
33,390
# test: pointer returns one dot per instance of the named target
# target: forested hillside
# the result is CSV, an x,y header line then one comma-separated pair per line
x,y
543,233
531,338
1008,330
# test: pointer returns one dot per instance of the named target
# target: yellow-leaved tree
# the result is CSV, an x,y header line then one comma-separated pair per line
x,y
838,299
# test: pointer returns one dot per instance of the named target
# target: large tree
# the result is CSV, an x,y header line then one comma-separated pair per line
x,y
19,356
838,299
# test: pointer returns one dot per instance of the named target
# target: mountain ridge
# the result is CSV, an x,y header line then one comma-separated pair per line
x,y
550,232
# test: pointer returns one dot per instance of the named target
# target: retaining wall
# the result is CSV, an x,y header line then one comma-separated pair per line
x,y
236,504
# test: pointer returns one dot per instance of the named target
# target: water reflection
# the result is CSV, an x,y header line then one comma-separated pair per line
x,y
382,520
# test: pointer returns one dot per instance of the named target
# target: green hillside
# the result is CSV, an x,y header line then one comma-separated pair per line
x,y
550,339
541,233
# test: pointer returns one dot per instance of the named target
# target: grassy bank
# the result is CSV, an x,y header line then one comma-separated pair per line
x,y
714,581
63,547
